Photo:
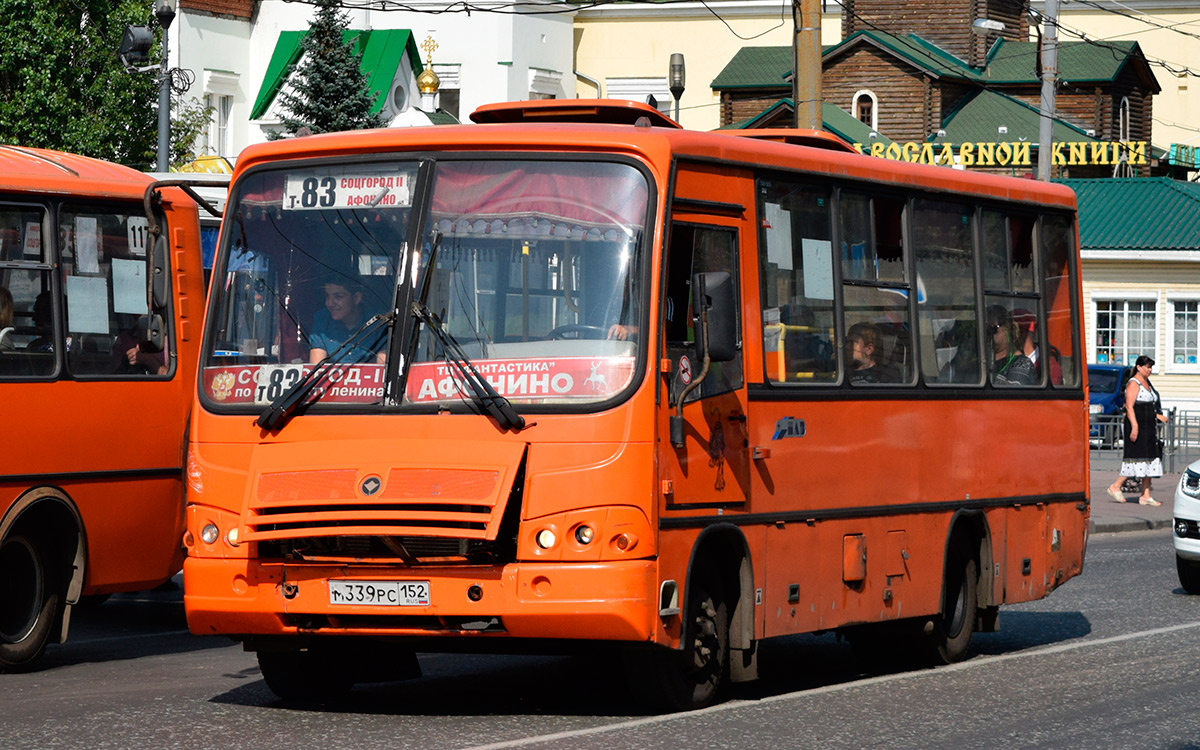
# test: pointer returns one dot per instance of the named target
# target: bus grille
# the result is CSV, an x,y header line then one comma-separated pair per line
x,y
455,504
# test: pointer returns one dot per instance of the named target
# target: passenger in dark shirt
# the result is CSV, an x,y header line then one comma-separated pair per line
x,y
862,344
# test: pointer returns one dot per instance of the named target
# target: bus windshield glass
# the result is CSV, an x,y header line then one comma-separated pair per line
x,y
536,278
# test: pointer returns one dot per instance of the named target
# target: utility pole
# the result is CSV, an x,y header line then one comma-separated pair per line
x,y
1049,57
165,13
806,63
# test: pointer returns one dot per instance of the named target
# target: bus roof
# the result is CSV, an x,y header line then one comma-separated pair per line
x,y
505,130
43,170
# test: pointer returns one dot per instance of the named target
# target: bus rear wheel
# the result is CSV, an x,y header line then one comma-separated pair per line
x,y
29,599
311,676
952,628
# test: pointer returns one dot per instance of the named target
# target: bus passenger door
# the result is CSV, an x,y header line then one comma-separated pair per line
x,y
712,467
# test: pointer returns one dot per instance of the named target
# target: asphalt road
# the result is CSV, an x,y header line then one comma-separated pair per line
x,y
1110,660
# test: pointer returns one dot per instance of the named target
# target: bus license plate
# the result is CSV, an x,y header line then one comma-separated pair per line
x,y
379,593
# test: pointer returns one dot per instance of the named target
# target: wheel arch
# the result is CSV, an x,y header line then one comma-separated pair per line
x,y
722,553
48,513
971,528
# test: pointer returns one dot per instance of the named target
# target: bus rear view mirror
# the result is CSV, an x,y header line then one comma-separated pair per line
x,y
713,305
158,274
150,333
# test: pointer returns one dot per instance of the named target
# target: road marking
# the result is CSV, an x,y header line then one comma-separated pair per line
x,y
731,705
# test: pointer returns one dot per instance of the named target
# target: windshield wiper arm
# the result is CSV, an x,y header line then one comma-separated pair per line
x,y
275,416
480,390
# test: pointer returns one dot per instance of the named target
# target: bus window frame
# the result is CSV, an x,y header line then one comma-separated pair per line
x,y
171,351
418,229
977,205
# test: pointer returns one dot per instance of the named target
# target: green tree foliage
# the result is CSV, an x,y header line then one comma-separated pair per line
x,y
62,87
330,89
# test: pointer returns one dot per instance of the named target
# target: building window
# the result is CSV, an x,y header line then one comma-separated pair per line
x,y
216,140
1185,333
450,91
1125,330
544,84
865,108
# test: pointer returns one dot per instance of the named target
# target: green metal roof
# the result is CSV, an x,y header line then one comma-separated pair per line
x,y
982,113
755,68
1153,213
1078,62
912,48
381,50
833,119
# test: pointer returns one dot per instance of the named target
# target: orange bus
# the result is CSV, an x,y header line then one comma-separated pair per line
x,y
99,327
574,376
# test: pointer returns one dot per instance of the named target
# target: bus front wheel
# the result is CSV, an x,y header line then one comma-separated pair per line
x,y
691,678
29,599
952,628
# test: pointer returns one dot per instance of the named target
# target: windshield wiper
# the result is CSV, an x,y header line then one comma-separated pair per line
x,y
275,416
480,390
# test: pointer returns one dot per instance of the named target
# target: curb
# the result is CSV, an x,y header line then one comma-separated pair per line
x,y
1110,525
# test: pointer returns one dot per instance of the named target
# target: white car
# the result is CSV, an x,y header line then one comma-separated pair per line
x,y
1187,529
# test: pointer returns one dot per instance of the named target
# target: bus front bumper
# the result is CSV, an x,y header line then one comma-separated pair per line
x,y
610,601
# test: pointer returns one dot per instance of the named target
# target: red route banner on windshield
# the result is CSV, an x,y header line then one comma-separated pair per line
x,y
556,378
550,379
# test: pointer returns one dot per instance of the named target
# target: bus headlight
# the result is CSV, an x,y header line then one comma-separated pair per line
x,y
546,539
584,534
210,533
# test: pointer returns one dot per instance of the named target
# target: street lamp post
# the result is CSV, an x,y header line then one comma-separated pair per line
x,y
1046,68
164,11
676,79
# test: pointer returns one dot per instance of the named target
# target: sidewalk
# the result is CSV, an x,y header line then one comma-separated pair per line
x,y
1108,515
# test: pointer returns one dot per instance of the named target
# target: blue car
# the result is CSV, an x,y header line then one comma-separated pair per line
x,y
1106,396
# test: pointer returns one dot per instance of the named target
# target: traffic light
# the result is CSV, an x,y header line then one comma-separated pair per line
x,y
135,46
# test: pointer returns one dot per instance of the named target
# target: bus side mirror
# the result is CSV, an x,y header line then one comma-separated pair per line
x,y
158,274
150,333
713,305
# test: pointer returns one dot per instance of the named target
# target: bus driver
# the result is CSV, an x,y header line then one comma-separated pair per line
x,y
342,315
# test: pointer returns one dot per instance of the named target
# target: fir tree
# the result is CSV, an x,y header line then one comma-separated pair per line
x,y
330,89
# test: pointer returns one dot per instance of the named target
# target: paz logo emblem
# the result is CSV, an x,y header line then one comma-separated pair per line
x,y
370,485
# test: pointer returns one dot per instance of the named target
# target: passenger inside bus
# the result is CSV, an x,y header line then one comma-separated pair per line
x,y
43,323
1009,365
6,319
344,312
1027,333
862,344
130,354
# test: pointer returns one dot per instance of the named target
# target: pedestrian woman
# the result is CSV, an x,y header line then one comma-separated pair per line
x,y
1143,409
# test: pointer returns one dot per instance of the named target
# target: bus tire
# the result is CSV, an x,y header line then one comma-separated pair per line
x,y
1189,574
315,675
29,600
952,628
692,678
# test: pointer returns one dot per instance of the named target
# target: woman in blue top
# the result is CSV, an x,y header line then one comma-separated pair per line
x,y
343,314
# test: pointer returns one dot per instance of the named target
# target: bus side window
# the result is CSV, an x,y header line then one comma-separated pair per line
x,y
25,323
104,278
796,265
697,249
874,288
947,310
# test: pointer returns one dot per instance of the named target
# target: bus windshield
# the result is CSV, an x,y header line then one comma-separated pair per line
x,y
536,277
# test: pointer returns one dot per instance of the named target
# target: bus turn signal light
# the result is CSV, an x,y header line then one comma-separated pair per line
x,y
625,542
